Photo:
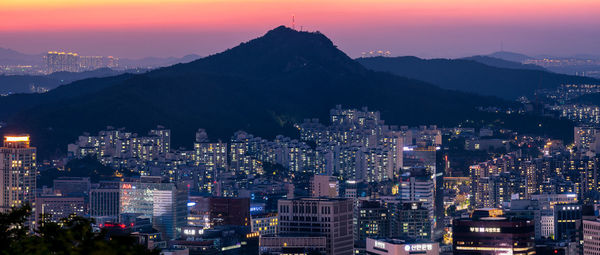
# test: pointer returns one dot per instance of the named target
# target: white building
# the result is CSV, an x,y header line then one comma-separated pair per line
x,y
400,247
591,237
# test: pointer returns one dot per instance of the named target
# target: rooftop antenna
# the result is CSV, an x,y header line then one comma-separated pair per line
x,y
293,22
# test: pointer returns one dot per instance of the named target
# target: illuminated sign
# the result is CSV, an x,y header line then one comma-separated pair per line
x,y
16,138
126,186
485,230
193,232
418,247
379,244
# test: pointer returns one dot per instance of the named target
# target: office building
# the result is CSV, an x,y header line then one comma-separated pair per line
x,y
280,245
104,201
163,203
371,220
488,232
417,185
220,211
328,217
72,186
56,208
591,237
567,222
264,224
17,173
409,220
387,246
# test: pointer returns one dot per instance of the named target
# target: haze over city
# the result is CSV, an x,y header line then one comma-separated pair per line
x,y
315,127
430,28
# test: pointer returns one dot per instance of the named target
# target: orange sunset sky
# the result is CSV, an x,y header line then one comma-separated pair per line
x,y
426,28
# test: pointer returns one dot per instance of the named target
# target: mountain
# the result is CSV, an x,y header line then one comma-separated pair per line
x,y
12,57
472,76
510,56
263,86
153,62
497,62
11,84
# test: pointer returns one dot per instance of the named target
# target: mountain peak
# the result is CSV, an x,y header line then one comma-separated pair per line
x,y
280,50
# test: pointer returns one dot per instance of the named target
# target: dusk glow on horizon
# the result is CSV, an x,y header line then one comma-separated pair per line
x,y
204,27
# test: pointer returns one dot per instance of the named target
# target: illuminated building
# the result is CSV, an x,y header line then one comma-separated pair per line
x,y
417,185
487,232
17,173
104,201
91,62
409,220
327,217
587,138
385,246
372,220
56,208
163,203
280,245
218,211
567,222
62,62
264,224
591,237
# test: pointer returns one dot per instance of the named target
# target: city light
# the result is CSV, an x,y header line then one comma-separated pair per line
x,y
16,138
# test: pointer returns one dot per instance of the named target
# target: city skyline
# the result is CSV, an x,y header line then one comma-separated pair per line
x,y
141,28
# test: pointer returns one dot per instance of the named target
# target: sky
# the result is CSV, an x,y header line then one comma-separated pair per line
x,y
424,28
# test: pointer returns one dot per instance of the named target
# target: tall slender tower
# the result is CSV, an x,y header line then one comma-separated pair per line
x,y
294,22
17,172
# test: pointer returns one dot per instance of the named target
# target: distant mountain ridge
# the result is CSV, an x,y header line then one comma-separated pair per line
x,y
472,76
510,56
497,62
263,86
13,57
154,62
23,83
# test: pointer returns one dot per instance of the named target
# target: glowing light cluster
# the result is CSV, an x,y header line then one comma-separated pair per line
x,y
16,138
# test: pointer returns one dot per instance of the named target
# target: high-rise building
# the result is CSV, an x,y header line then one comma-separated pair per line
x,y
104,201
218,211
591,237
411,220
328,217
487,232
587,138
371,220
164,203
17,173
418,186
567,222
62,62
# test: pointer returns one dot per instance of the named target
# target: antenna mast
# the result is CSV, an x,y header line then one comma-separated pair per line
x,y
293,22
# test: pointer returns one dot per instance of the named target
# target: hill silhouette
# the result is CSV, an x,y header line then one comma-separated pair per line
x,y
263,86
472,76
497,62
